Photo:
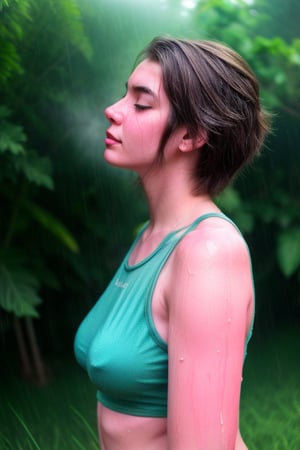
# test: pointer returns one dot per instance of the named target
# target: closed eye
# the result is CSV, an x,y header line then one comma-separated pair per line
x,y
141,107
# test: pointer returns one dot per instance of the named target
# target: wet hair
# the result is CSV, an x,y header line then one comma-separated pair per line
x,y
213,90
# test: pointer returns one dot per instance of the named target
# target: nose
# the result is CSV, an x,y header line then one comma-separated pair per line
x,y
113,113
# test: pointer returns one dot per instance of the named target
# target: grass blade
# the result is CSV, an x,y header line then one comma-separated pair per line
x,y
25,428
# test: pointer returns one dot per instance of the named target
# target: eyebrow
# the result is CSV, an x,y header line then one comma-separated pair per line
x,y
142,89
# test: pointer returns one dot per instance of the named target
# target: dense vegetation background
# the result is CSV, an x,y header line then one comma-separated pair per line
x,y
65,218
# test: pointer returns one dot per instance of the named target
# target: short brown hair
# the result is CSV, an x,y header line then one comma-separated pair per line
x,y
211,88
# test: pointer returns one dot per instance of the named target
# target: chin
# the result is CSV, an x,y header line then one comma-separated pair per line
x,y
111,158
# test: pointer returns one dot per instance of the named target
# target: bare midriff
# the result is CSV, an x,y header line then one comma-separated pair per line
x,y
119,431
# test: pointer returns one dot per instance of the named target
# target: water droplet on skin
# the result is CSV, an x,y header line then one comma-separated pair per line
x,y
191,272
218,350
229,320
211,247
181,359
221,419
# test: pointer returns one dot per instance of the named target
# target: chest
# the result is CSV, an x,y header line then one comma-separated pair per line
x,y
126,353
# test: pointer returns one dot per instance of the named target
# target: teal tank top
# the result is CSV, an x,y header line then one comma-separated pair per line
x,y
117,343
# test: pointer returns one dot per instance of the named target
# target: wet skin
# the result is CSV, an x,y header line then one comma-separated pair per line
x,y
203,302
119,431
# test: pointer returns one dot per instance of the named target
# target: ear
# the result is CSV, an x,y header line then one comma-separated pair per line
x,y
188,143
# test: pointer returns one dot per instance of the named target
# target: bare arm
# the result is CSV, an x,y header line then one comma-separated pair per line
x,y
210,307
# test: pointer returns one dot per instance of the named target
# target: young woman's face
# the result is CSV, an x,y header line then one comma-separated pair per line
x,y
137,120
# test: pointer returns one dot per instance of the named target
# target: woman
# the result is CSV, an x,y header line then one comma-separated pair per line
x,y
165,343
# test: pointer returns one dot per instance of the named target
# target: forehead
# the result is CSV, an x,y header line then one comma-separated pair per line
x,y
149,74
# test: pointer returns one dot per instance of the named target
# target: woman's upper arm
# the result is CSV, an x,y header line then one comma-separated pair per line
x,y
210,301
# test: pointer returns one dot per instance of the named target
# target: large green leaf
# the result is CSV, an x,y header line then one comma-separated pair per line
x,y
67,16
288,251
12,138
52,224
37,169
48,221
3,3
13,14
18,288
275,61
9,60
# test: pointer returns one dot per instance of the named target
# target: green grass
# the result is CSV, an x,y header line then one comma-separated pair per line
x,y
59,416
270,405
62,415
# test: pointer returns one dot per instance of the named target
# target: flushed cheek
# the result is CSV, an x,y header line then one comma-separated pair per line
x,y
145,133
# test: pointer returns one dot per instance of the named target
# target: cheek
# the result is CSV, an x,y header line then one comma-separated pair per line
x,y
157,127
148,131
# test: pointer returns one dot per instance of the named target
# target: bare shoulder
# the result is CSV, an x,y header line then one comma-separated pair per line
x,y
214,241
211,271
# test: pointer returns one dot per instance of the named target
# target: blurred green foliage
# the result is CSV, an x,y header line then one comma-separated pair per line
x,y
66,219
266,200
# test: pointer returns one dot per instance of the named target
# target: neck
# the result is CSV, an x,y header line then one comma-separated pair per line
x,y
171,201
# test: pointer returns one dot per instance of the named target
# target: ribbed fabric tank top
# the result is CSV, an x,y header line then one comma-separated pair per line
x,y
117,343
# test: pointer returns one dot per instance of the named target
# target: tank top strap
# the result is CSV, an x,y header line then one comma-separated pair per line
x,y
171,239
213,214
166,247
181,232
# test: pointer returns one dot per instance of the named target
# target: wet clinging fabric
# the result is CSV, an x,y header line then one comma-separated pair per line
x,y
117,343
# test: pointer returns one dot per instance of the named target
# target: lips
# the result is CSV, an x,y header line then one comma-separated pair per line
x,y
111,139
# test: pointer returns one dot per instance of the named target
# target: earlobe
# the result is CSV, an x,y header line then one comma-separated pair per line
x,y
188,144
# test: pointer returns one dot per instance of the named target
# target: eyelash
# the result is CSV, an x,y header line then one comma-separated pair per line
x,y
141,107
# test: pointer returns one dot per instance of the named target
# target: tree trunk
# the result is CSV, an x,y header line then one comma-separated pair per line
x,y
40,370
26,366
32,365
